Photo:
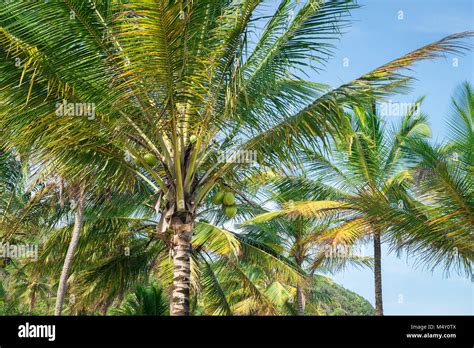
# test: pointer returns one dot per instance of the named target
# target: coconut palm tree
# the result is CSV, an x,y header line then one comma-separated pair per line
x,y
176,86
367,172
145,300
303,240
29,288
27,213
439,227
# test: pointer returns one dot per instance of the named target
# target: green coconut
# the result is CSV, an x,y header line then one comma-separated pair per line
x,y
150,159
192,139
218,197
230,211
229,199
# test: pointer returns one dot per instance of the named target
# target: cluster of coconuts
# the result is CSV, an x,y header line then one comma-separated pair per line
x,y
227,200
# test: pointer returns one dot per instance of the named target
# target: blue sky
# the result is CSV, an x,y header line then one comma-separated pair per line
x,y
376,37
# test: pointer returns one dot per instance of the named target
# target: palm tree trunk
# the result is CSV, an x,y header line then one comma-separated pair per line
x,y
32,302
182,226
300,299
378,274
48,305
70,251
105,306
299,257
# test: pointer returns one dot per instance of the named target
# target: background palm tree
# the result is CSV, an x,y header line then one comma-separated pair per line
x,y
302,239
175,84
366,171
27,214
145,300
30,288
439,227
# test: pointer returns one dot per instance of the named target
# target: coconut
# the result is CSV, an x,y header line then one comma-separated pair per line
x,y
150,159
192,139
230,211
229,199
218,197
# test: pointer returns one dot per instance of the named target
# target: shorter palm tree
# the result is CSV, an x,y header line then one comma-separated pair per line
x,y
144,300
29,288
302,239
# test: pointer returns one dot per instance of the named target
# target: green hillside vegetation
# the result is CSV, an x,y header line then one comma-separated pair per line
x,y
342,301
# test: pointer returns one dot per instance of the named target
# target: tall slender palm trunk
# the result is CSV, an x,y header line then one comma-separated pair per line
x,y
78,221
32,302
182,226
299,257
300,303
105,306
378,274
